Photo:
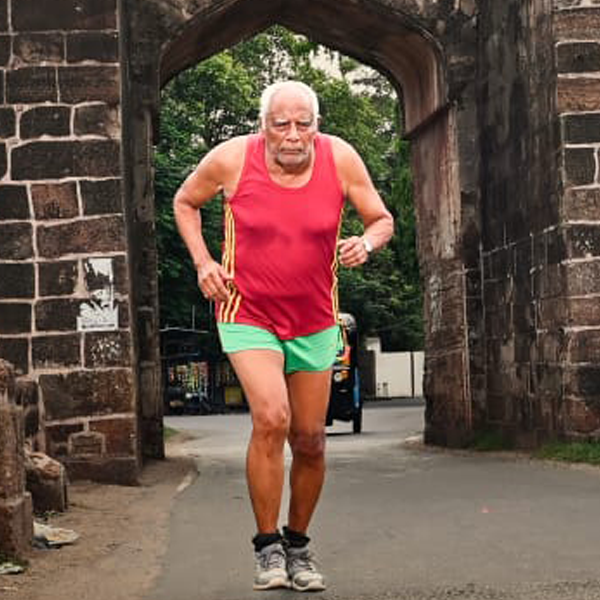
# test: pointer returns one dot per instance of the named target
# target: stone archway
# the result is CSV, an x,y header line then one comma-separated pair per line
x,y
502,107
407,45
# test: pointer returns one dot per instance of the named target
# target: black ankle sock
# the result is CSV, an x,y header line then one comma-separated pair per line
x,y
295,539
261,540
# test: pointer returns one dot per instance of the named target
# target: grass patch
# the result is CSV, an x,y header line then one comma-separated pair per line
x,y
576,452
169,432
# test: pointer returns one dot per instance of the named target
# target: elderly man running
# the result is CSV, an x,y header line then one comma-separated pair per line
x,y
276,300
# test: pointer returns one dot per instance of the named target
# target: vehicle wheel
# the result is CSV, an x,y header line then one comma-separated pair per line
x,y
357,421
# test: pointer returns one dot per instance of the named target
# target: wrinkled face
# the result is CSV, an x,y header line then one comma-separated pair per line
x,y
290,128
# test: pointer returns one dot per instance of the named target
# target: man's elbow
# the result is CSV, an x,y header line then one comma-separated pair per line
x,y
388,221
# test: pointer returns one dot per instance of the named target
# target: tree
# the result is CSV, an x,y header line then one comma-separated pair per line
x,y
217,99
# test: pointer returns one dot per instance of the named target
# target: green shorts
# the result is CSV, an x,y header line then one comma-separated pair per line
x,y
314,352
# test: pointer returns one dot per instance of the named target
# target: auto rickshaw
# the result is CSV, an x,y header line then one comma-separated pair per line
x,y
345,402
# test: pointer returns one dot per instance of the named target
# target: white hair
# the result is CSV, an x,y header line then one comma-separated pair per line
x,y
270,91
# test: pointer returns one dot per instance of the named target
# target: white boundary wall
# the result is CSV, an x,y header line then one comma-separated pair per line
x,y
397,374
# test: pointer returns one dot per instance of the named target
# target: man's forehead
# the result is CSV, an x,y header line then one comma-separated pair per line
x,y
291,99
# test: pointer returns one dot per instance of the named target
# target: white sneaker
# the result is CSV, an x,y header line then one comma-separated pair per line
x,y
270,568
302,571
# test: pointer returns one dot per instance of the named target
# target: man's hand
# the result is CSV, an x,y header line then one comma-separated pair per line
x,y
212,280
353,251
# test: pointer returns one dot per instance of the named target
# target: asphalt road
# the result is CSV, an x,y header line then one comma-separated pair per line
x,y
396,520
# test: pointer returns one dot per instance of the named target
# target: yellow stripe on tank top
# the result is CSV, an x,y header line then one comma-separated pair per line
x,y
226,254
334,268
234,298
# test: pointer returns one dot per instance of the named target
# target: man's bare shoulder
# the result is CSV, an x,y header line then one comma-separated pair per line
x,y
228,154
344,155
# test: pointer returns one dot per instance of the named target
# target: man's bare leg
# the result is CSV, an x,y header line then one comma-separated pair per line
x,y
261,375
309,397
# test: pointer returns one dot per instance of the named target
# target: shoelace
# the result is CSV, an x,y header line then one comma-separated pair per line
x,y
302,561
273,559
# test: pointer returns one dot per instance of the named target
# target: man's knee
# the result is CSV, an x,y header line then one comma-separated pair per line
x,y
272,422
308,445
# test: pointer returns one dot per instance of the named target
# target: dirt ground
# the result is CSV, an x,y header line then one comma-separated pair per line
x,y
123,533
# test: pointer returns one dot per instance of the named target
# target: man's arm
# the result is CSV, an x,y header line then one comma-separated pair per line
x,y
216,172
360,191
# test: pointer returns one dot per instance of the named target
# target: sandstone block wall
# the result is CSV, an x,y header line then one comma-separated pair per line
x,y
64,282
575,344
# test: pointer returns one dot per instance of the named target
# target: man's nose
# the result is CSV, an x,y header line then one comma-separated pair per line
x,y
293,132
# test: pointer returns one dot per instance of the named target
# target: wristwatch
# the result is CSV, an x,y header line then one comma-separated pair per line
x,y
367,244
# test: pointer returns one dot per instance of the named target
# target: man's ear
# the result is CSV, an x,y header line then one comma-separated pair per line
x,y
319,121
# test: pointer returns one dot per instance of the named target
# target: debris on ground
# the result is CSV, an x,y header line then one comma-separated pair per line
x,y
46,536
11,568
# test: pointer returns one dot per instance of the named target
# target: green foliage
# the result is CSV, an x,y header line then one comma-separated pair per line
x,y
218,99
576,452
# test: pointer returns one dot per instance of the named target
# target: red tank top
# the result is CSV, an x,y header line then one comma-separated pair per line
x,y
280,246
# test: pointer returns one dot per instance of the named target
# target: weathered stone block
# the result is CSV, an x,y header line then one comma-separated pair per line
x,y
583,311
121,276
580,166
15,318
549,282
119,435
7,122
578,57
583,278
581,418
16,527
31,85
34,48
578,95
55,200
15,351
16,241
123,471
13,202
107,349
86,443
3,15
17,280
57,278
31,15
101,197
584,346
82,237
45,120
57,437
46,482
27,396
583,241
576,25
56,351
89,84
93,45
4,50
97,119
55,160
3,161
582,381
57,315
87,393
582,204
582,129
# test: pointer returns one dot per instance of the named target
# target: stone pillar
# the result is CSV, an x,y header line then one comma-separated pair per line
x,y
577,55
16,520
64,272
